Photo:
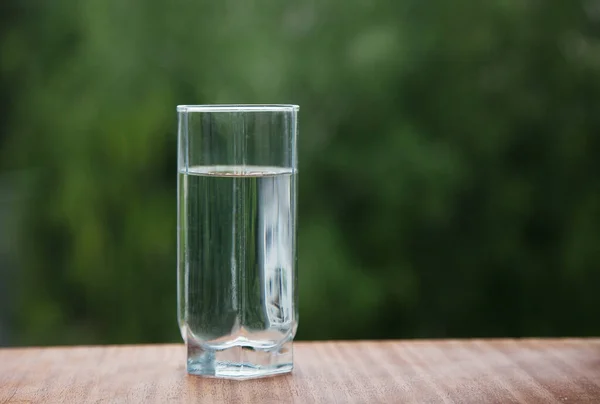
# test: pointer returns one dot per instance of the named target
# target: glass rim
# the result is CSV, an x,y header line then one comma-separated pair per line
x,y
238,108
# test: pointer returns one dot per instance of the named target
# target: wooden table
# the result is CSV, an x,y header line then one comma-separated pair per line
x,y
458,371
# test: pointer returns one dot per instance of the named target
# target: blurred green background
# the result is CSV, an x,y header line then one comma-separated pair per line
x,y
449,161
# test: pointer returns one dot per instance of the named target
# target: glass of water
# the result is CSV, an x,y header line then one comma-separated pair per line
x,y
236,238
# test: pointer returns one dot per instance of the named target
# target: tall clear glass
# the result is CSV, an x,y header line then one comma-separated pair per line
x,y
236,238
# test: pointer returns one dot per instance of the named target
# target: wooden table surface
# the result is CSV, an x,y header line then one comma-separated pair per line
x,y
457,371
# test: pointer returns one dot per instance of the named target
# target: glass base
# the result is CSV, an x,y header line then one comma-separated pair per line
x,y
239,362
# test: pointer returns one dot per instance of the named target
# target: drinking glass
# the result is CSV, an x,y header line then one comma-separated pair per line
x,y
236,238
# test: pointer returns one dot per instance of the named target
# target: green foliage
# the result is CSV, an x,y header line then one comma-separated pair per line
x,y
448,160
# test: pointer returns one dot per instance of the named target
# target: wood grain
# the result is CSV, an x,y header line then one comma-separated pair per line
x,y
455,371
